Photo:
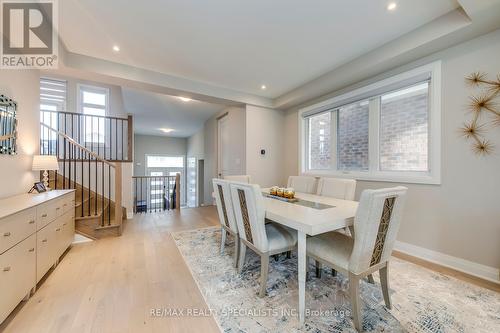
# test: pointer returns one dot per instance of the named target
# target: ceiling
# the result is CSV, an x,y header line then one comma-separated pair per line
x,y
153,111
237,44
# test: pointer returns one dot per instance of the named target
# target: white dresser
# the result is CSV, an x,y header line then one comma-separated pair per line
x,y
35,230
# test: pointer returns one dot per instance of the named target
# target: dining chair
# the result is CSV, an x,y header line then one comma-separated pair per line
x,y
239,178
339,188
303,184
265,239
225,211
376,226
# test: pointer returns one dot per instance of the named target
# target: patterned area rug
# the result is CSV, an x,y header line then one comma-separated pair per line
x,y
423,300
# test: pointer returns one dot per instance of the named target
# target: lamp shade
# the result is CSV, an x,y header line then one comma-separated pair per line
x,y
45,162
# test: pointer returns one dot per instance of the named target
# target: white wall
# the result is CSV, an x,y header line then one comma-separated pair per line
x,y
265,129
460,217
196,145
155,145
235,152
15,171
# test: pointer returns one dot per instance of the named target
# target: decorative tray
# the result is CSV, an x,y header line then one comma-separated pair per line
x,y
280,198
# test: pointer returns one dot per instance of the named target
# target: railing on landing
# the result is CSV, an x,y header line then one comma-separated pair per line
x,y
98,183
108,137
156,193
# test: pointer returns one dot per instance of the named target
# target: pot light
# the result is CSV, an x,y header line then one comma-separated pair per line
x,y
184,99
166,130
116,48
263,87
392,6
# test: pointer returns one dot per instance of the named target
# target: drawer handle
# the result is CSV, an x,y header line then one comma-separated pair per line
x,y
31,221
6,269
64,223
7,234
65,205
58,229
31,250
44,240
44,215
57,208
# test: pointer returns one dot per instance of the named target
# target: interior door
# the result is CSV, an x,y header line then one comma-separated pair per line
x,y
222,147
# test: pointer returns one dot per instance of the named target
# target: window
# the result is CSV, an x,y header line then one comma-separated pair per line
x,y
389,130
153,161
52,100
93,103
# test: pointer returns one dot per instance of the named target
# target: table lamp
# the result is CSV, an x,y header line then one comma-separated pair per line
x,y
45,163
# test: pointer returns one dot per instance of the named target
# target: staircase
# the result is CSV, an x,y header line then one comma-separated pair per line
x,y
97,183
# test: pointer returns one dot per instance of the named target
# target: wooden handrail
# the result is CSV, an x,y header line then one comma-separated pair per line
x,y
73,142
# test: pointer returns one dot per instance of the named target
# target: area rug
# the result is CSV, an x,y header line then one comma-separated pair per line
x,y
423,300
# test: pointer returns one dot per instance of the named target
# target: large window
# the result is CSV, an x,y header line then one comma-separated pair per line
x,y
93,102
53,95
389,130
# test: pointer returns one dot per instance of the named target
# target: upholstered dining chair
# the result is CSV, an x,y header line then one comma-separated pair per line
x,y
303,184
338,188
225,211
266,239
376,226
239,178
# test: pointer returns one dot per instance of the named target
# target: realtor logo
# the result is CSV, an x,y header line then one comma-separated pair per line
x,y
29,34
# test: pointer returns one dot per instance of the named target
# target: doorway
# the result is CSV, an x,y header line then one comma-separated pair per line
x,y
222,146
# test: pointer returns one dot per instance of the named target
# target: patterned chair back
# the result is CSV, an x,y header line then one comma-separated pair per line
x,y
338,188
376,226
303,184
239,178
224,204
250,214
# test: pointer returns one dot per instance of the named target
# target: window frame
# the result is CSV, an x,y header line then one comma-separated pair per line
x,y
374,173
81,105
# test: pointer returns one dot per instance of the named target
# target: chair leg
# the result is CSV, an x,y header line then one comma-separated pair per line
x,y
384,282
276,257
334,272
236,250
370,279
288,254
264,269
222,240
319,268
241,261
355,301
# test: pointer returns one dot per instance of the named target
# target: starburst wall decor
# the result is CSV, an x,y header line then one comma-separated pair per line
x,y
485,112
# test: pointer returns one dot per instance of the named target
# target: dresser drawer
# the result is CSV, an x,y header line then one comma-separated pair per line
x,y
47,213
17,227
17,274
68,203
46,247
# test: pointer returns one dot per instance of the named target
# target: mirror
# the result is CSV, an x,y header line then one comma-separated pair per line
x,y
8,125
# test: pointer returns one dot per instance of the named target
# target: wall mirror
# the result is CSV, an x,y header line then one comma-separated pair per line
x,y
8,125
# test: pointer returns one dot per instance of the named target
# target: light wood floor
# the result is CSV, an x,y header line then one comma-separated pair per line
x,y
111,285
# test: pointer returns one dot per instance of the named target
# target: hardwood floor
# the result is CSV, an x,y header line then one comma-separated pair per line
x,y
111,285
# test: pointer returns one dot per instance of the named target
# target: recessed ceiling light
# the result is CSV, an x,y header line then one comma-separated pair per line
x,y
184,99
392,6
263,87
116,48
166,130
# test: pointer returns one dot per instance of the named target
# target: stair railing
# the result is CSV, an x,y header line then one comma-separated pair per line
x,y
109,137
156,193
86,172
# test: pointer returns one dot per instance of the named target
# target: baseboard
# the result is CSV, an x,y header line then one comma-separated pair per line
x,y
130,215
488,273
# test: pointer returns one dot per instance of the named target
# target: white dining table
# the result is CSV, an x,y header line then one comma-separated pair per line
x,y
309,221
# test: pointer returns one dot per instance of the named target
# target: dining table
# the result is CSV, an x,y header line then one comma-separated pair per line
x,y
309,215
